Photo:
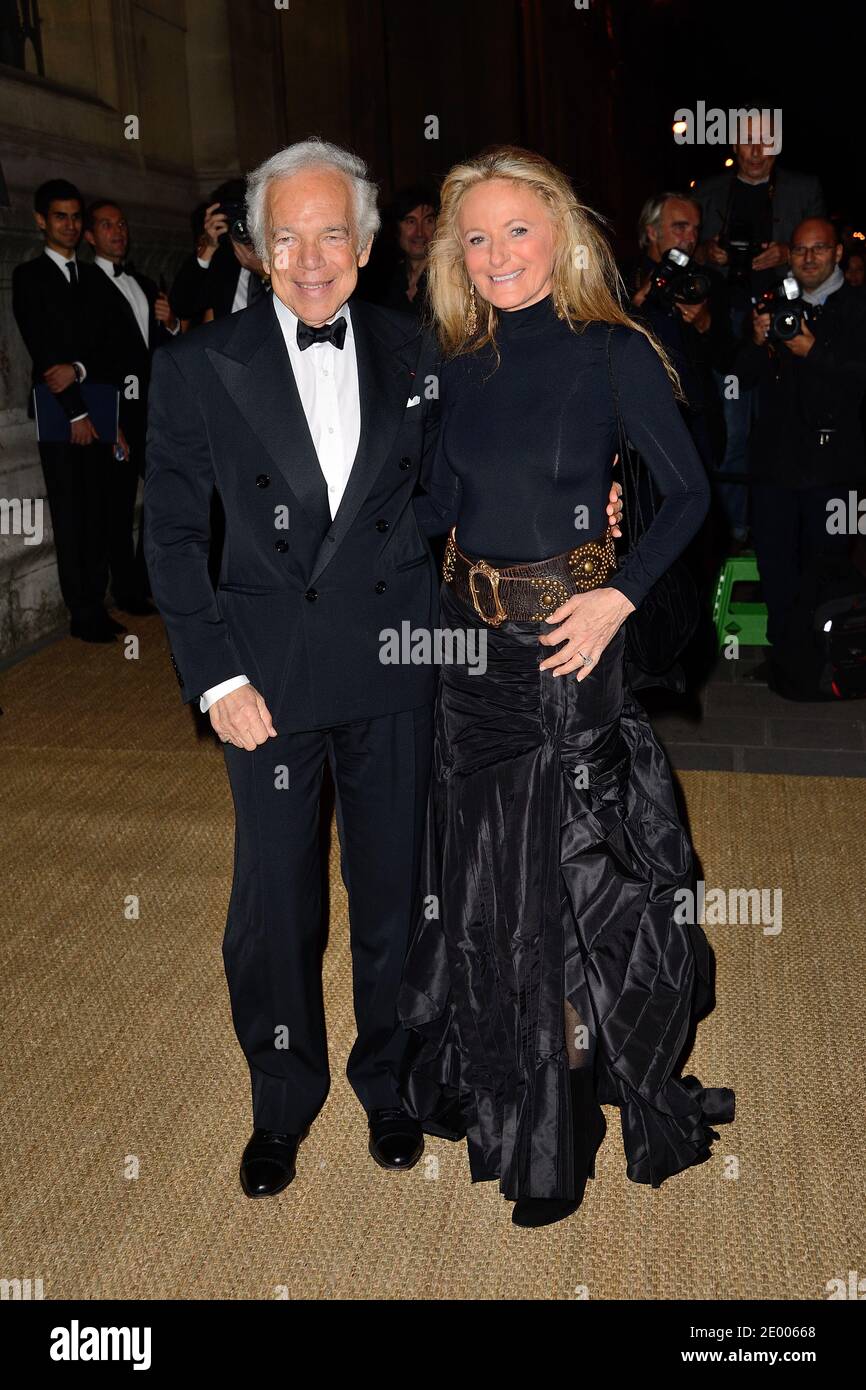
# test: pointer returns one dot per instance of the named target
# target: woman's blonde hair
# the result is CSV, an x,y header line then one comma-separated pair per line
x,y
586,285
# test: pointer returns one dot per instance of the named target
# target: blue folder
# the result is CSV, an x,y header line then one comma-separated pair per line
x,y
52,425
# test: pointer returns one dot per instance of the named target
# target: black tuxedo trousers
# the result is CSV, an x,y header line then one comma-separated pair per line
x,y
274,936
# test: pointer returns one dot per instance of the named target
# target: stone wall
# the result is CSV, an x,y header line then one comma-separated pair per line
x,y
203,112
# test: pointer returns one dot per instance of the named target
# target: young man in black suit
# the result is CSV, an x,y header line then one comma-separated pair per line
x,y
134,317
52,300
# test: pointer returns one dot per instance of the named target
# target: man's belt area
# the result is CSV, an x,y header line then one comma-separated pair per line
x,y
527,593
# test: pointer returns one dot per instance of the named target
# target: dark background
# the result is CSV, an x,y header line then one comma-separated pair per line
x,y
596,90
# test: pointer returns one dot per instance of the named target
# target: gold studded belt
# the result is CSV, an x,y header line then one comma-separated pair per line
x,y
527,593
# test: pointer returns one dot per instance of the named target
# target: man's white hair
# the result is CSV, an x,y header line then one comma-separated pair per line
x,y
311,154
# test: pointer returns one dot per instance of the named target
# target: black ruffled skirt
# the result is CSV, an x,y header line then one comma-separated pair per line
x,y
547,934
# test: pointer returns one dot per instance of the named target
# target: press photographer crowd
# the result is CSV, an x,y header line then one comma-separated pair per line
x,y
754,287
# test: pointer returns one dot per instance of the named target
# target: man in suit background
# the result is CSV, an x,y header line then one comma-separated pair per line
x,y
53,302
307,412
224,274
134,317
748,217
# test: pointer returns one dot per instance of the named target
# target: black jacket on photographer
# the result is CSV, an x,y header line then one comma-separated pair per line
x,y
808,432
767,211
211,285
695,356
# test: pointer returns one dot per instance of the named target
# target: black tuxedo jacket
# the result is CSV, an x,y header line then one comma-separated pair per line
x,y
121,346
800,398
196,288
300,609
57,323
796,197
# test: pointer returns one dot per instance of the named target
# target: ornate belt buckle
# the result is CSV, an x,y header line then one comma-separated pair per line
x,y
492,577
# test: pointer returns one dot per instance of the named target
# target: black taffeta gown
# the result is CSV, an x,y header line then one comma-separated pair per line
x,y
547,930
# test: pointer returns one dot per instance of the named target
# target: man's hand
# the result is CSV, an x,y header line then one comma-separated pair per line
x,y
82,431
242,718
803,343
640,295
59,377
698,315
760,328
716,254
774,253
614,505
163,312
215,223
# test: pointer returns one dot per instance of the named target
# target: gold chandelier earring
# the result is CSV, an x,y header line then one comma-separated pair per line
x,y
472,316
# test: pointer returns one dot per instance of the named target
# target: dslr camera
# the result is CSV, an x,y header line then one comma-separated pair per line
x,y
785,307
741,251
674,281
236,216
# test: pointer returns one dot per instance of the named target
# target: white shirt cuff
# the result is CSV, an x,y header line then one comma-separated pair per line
x,y
81,367
216,692
205,265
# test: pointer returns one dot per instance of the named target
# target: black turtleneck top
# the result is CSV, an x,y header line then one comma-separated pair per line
x,y
523,465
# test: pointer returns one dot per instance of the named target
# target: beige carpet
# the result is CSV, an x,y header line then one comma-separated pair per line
x,y
126,1097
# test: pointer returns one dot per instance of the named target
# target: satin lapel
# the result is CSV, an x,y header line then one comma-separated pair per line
x,y
125,307
384,386
255,369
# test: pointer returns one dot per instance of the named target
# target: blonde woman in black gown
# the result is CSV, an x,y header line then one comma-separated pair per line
x,y
548,971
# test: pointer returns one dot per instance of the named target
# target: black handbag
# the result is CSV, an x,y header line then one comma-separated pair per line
x,y
661,626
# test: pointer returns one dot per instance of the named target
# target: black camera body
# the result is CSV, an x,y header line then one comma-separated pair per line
x,y
674,281
236,216
785,307
741,251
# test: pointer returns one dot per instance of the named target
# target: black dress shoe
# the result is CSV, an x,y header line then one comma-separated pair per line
x,y
92,631
268,1163
396,1140
114,624
137,606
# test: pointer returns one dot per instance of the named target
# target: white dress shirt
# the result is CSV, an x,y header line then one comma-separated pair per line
x,y
63,262
327,382
242,290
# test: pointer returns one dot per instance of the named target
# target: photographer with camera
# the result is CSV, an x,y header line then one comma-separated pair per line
x,y
749,214
807,357
686,307
224,274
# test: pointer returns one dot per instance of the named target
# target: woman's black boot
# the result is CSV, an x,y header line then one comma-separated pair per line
x,y
588,1128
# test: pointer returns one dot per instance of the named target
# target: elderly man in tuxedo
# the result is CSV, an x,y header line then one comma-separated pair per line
x,y
308,413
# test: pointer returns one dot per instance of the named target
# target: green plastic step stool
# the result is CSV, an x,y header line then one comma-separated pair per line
x,y
745,621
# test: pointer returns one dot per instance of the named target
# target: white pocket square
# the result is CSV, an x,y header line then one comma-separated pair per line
x,y
413,400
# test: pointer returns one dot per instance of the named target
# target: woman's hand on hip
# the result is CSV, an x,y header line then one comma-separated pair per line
x,y
587,622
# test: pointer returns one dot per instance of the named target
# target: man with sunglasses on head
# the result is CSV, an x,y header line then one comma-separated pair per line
x,y
807,444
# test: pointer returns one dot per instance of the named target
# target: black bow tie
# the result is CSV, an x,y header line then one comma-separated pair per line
x,y
122,268
329,333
